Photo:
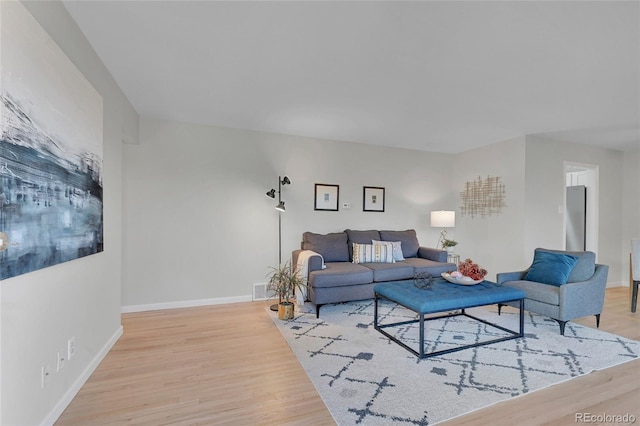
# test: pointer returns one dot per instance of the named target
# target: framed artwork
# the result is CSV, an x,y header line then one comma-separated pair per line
x,y
50,151
372,199
326,197
483,197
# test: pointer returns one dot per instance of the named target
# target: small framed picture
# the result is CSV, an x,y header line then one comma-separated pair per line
x,y
373,199
326,197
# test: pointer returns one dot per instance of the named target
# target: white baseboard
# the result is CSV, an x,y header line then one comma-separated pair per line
x,y
617,284
185,304
66,399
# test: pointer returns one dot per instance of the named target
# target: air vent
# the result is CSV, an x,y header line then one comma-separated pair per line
x,y
260,292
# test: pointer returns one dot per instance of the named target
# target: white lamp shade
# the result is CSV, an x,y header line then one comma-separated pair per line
x,y
443,219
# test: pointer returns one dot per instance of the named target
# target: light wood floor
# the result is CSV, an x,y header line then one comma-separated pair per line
x,y
228,364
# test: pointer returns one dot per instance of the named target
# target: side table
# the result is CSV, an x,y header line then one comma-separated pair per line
x,y
453,258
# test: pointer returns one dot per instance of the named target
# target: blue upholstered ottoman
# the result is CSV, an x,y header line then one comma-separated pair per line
x,y
442,297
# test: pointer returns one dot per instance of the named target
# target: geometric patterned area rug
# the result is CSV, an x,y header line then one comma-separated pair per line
x,y
364,378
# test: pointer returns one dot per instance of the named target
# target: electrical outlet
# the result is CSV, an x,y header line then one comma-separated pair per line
x,y
71,348
45,375
60,363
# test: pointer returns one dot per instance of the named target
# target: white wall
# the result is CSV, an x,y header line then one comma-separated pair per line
x,y
532,169
493,241
545,182
630,207
41,310
199,226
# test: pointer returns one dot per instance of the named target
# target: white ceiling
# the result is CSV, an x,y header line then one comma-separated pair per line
x,y
437,76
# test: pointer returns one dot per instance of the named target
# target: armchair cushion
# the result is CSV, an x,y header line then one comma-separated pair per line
x,y
585,267
548,294
551,268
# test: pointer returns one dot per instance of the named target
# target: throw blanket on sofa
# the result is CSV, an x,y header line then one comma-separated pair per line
x,y
302,267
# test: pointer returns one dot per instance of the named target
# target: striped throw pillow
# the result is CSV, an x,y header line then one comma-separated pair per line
x,y
372,253
397,248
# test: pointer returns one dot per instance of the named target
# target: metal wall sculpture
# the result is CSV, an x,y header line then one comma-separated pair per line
x,y
483,197
50,151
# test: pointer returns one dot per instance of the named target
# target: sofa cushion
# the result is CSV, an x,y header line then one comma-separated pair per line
x,y
396,246
585,267
434,268
550,268
376,253
360,237
332,247
391,271
408,240
338,274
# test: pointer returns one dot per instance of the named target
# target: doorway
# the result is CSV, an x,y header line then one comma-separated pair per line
x,y
581,207
576,218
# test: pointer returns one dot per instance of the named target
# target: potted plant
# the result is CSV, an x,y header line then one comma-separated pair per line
x,y
283,281
449,245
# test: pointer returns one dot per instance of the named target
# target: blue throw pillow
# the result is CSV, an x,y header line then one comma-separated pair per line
x,y
551,268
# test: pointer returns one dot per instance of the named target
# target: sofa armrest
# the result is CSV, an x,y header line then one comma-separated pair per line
x,y
430,253
587,297
315,262
294,256
503,277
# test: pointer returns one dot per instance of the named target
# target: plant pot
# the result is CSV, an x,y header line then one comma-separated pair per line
x,y
450,249
285,310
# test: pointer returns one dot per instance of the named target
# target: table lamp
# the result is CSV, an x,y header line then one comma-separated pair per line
x,y
443,219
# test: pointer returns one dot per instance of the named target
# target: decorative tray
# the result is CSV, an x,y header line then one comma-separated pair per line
x,y
461,281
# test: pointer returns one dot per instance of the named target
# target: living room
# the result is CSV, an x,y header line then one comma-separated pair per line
x,y
187,222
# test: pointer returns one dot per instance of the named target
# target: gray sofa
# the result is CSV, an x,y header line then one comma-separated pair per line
x,y
342,280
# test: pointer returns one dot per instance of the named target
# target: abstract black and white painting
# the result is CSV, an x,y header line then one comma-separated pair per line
x,y
50,150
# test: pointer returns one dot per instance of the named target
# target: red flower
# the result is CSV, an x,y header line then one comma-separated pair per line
x,y
471,270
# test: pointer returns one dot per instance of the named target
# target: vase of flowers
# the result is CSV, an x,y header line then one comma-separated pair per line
x,y
449,245
470,269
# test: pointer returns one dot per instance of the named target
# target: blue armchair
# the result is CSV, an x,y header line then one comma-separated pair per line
x,y
581,295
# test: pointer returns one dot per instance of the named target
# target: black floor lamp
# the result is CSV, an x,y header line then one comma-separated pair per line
x,y
280,207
